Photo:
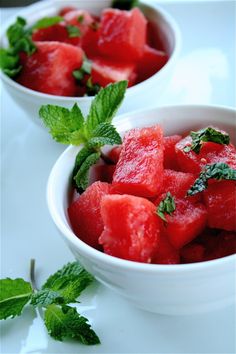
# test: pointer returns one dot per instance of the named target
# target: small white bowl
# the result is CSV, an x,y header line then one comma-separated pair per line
x,y
138,96
167,289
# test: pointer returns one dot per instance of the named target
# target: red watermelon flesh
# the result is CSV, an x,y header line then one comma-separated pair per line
x,y
89,41
106,71
220,201
150,63
131,228
170,160
139,170
85,215
123,34
114,154
210,153
81,19
186,222
49,69
224,244
192,253
165,253
57,33
66,9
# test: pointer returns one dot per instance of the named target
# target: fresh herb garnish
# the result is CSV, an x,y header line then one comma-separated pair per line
x,y
69,127
219,171
63,287
80,19
47,22
91,88
207,134
84,70
166,206
19,38
73,31
125,4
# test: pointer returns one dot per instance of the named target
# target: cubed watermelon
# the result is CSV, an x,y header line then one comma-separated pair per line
x,y
165,253
192,253
224,244
123,34
131,228
104,173
105,72
209,153
85,215
151,62
220,200
114,153
139,170
170,161
186,222
80,19
57,33
89,41
49,69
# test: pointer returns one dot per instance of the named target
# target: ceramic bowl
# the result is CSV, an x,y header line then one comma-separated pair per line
x,y
141,95
166,289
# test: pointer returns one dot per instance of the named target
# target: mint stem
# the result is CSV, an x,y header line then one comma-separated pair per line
x,y
32,274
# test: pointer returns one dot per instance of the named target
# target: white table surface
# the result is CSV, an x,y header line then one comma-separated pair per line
x,y
205,74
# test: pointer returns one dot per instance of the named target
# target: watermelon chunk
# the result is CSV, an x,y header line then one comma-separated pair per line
x,y
106,71
224,244
123,34
89,41
131,228
165,253
220,200
151,62
85,216
210,153
170,161
139,170
186,222
57,33
49,69
192,253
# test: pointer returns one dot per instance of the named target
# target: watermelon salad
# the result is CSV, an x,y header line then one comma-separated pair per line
x,y
161,199
76,53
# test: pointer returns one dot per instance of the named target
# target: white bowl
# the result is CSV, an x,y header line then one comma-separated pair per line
x,y
166,289
138,96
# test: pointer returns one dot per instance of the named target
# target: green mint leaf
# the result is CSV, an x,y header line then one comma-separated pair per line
x,y
66,322
80,19
80,158
62,122
166,206
105,105
124,4
219,171
91,88
85,69
9,62
46,297
207,134
104,134
25,45
78,74
14,295
73,31
68,282
47,22
82,176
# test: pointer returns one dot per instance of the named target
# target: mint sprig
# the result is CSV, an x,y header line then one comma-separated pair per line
x,y
204,135
219,171
60,289
70,127
73,31
166,206
46,22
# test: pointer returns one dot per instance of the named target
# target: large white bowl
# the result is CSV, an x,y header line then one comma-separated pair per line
x,y
139,96
166,289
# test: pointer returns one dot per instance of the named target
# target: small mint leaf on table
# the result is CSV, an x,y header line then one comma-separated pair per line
x,y
46,297
166,206
46,22
14,295
65,322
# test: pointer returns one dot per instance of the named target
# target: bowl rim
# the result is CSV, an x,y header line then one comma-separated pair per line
x,y
101,257
131,90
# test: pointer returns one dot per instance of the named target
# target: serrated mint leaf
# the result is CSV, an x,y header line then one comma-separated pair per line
x,y
61,121
124,4
69,282
82,176
14,295
105,105
9,62
219,171
80,158
47,22
46,297
166,206
104,134
204,135
66,322
73,31
19,37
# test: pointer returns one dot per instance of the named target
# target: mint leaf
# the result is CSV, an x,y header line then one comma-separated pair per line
x,y
62,122
91,88
9,62
19,37
125,4
73,31
82,176
219,171
80,19
166,206
80,158
68,282
85,69
14,295
206,134
66,322
105,105
46,297
104,134
47,22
